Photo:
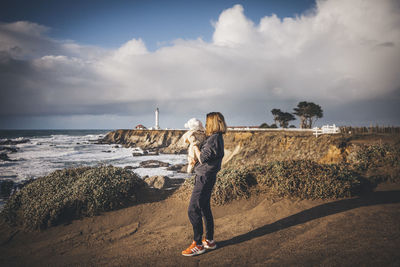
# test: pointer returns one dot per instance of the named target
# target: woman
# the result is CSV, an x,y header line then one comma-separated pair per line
x,y
206,170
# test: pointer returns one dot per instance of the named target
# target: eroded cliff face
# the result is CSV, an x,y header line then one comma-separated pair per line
x,y
165,141
261,147
254,147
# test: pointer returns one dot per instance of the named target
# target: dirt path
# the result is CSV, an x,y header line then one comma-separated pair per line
x,y
258,232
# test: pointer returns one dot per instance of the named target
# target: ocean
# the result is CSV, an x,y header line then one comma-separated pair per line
x,y
50,150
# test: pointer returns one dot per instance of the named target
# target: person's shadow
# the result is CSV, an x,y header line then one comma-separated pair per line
x,y
375,198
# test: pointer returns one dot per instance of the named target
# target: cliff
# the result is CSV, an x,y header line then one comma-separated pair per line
x,y
164,141
247,147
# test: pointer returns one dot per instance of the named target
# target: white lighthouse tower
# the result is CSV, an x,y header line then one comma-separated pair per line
x,y
157,126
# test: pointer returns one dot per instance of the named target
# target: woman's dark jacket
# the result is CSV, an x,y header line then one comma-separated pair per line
x,y
211,155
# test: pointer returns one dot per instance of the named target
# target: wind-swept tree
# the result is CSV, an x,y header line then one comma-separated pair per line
x,y
282,117
276,112
308,112
285,118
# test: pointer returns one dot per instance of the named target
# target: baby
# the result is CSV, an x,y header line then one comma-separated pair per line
x,y
195,137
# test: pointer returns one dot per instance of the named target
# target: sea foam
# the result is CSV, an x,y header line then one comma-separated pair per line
x,y
44,154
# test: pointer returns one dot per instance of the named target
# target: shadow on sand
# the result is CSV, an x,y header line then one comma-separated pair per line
x,y
375,198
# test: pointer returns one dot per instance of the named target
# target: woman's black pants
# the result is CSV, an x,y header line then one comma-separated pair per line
x,y
199,207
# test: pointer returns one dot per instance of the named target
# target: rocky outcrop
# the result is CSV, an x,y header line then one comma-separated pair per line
x,y
158,181
4,157
6,187
256,147
178,167
259,147
165,141
153,164
8,149
14,142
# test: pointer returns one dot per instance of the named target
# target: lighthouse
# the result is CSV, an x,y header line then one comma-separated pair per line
x,y
157,127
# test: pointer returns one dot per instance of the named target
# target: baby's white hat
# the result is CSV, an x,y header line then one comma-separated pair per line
x,y
194,124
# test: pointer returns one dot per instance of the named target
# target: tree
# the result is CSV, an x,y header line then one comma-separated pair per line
x,y
276,112
264,125
282,117
308,112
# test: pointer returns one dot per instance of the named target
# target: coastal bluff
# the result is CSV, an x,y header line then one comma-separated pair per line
x,y
164,141
254,147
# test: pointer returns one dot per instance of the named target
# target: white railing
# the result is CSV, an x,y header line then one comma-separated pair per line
x,y
326,129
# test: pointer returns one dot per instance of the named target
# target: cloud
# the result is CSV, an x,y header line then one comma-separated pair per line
x,y
339,53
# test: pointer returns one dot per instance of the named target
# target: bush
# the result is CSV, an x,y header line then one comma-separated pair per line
x,y
71,193
381,162
303,179
308,179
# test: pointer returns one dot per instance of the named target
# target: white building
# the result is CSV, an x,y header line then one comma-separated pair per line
x,y
157,126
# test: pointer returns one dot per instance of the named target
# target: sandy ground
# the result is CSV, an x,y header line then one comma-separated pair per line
x,y
362,231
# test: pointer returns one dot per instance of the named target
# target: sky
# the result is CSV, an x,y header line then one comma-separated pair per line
x,y
109,64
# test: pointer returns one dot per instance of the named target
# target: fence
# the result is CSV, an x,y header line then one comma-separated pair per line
x,y
371,129
326,129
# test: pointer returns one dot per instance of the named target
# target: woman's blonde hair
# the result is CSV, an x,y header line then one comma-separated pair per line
x,y
215,123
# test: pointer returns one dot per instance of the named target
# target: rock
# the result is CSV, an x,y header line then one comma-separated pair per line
x,y
107,151
12,142
139,154
10,149
130,168
158,181
184,169
145,139
146,153
6,187
153,164
153,152
176,167
4,157
117,146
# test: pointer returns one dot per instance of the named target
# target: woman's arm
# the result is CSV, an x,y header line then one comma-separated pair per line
x,y
210,149
197,153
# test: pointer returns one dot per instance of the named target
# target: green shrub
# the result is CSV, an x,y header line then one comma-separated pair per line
x,y
380,162
308,179
301,178
376,156
71,193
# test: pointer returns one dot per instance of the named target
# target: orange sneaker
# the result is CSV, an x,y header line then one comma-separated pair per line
x,y
209,244
194,250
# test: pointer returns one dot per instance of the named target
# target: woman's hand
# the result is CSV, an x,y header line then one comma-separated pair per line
x,y
197,153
